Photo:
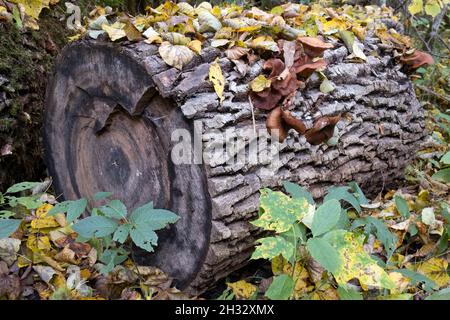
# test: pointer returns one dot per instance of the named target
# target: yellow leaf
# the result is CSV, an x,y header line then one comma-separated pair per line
x,y
415,7
219,42
195,45
334,25
300,276
175,55
115,31
42,221
401,282
2,9
216,77
33,7
432,8
132,32
176,38
152,36
186,8
436,270
355,262
74,38
265,43
242,289
38,243
260,83
278,264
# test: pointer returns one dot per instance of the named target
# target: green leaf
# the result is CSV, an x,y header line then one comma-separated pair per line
x,y
22,187
5,214
352,44
347,293
359,193
296,233
271,247
281,288
17,18
8,227
324,254
96,226
383,234
402,206
155,219
75,209
443,294
416,278
112,257
28,202
279,211
115,209
141,211
344,221
297,191
144,237
102,195
326,86
442,175
326,217
341,193
446,158
61,207
121,233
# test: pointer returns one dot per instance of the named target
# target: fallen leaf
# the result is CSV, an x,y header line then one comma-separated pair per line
x,y
8,250
195,45
352,44
242,289
264,43
217,79
326,86
436,270
260,83
152,36
175,55
45,273
33,8
115,31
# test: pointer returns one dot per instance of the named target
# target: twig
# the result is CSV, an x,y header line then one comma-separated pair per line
x,y
430,51
436,24
434,94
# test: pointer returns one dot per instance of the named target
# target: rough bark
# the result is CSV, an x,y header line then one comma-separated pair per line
x,y
111,109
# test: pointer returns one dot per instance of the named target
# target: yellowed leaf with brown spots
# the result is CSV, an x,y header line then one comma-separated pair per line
x,y
242,289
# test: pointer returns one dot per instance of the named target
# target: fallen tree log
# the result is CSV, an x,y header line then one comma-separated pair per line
x,y
111,111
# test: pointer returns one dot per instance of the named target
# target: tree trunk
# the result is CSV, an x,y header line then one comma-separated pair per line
x,y
111,110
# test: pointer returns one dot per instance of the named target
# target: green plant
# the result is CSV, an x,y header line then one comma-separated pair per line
x,y
13,206
331,237
109,228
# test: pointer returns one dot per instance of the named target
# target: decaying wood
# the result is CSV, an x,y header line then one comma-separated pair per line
x,y
110,113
